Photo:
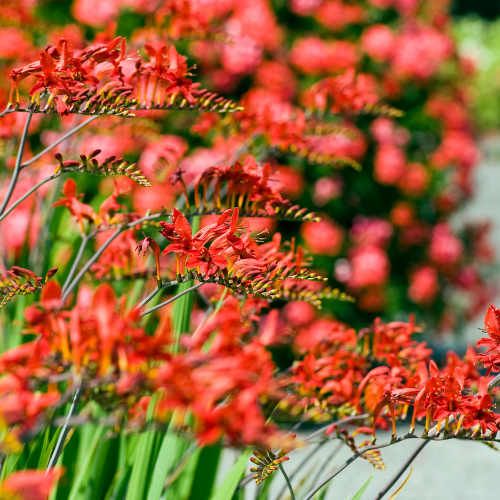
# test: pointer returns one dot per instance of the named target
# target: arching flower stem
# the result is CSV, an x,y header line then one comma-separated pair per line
x,y
290,488
17,168
175,297
61,139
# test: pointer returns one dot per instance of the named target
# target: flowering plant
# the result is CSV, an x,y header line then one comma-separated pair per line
x,y
108,392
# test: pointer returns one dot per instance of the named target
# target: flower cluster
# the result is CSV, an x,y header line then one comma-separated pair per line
x,y
13,284
117,365
225,365
249,187
81,211
94,81
335,377
242,50
225,252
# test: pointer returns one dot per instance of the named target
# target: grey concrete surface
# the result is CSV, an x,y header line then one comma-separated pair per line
x,y
450,470
485,206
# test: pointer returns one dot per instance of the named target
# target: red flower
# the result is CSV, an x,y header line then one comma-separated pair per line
x,y
143,245
492,328
207,260
482,414
428,394
389,397
78,210
181,236
30,484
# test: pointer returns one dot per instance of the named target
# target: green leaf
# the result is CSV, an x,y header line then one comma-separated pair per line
x,y
143,458
226,491
103,469
206,472
79,486
183,483
163,462
358,495
119,485
47,448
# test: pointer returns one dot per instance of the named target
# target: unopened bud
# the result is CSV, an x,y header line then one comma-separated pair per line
x,y
51,273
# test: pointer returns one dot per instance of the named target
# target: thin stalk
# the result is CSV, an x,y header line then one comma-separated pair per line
x,y
332,456
493,383
221,301
154,293
17,167
289,484
321,430
30,192
7,112
402,469
180,466
86,267
78,257
61,139
337,471
309,457
99,252
211,310
64,433
169,301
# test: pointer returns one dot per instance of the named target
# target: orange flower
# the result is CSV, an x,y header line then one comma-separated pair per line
x,y
30,484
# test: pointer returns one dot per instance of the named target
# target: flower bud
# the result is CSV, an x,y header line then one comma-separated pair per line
x,y
24,273
51,273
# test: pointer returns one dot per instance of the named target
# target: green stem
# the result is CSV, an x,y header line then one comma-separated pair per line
x,y
30,192
287,481
17,168
174,298
155,292
78,257
56,143
65,430
86,267
99,252
221,301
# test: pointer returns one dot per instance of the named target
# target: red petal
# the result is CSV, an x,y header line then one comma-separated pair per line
x,y
52,291
224,217
150,50
47,63
433,369
491,320
172,58
104,304
234,219
69,189
182,227
114,43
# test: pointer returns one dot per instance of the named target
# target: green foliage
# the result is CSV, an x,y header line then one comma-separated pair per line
x,y
359,494
480,40
226,491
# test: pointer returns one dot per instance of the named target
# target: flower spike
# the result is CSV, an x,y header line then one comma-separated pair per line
x,y
249,188
70,84
13,285
110,166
